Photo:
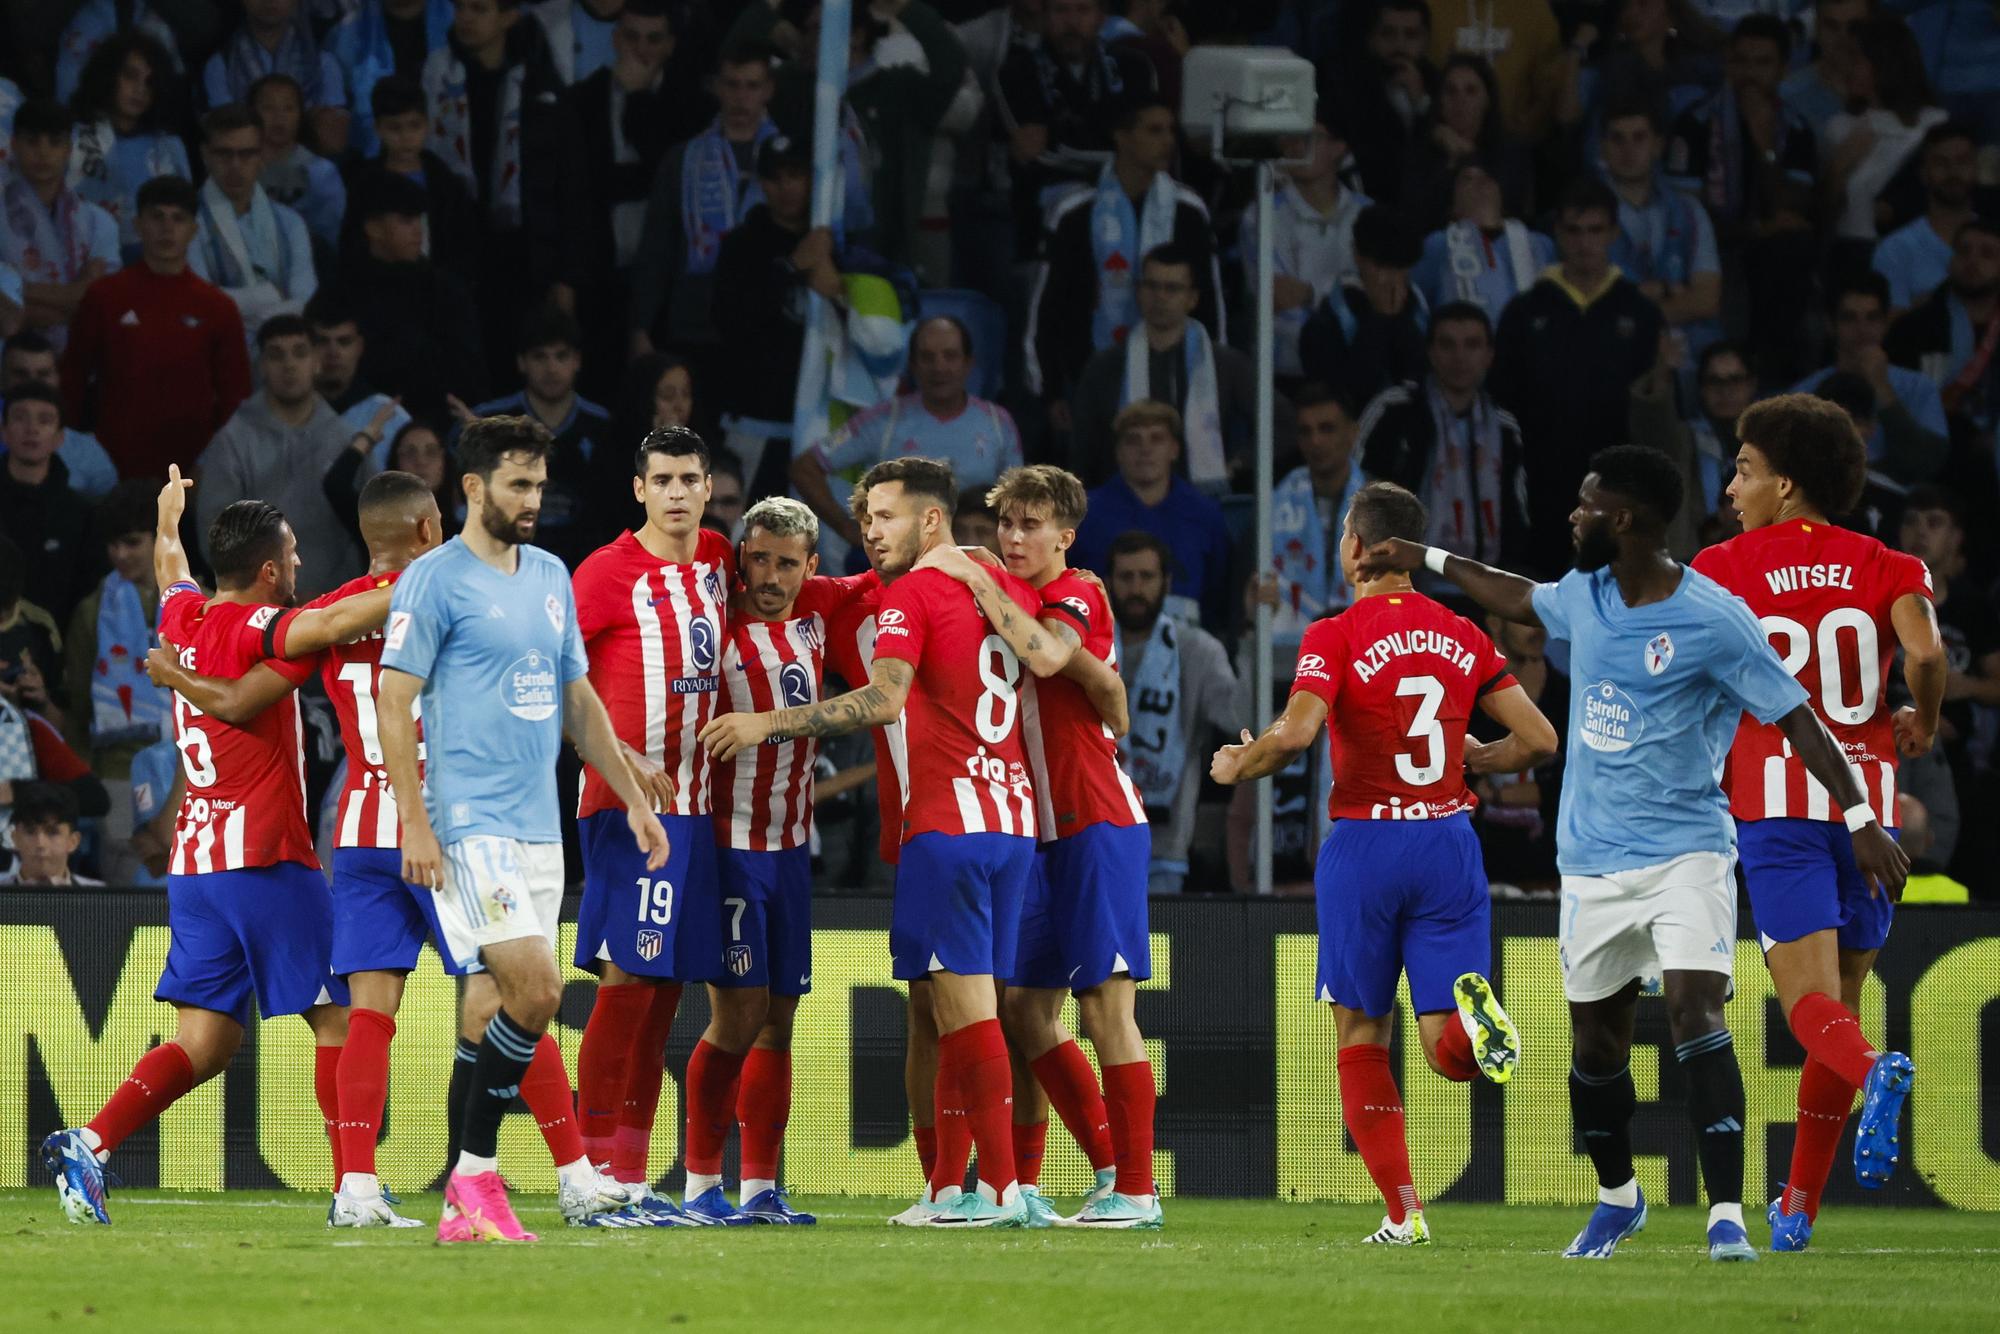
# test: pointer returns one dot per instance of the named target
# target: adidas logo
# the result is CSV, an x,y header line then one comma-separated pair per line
x,y
1728,1125
510,1092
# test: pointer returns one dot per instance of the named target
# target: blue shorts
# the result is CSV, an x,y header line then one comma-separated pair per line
x,y
767,938
1400,896
380,920
663,923
958,904
1084,916
1802,878
266,931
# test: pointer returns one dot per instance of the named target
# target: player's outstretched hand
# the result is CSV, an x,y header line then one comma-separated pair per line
x,y
1227,766
423,859
1882,862
173,498
729,733
1912,741
1390,556
651,836
950,560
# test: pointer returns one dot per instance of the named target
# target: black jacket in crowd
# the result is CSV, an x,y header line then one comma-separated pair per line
x,y
1398,436
422,333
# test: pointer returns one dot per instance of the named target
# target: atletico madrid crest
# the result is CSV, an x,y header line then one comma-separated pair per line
x,y
738,959
650,944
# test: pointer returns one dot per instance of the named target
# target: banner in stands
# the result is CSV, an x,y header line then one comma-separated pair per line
x,y
1243,1055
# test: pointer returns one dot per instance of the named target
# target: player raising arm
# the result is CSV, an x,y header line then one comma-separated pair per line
x,y
1814,587
1401,885
485,628
1664,663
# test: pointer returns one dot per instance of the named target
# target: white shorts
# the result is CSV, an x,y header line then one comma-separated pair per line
x,y
495,890
1633,925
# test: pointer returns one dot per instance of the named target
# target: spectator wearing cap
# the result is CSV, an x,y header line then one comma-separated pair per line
x,y
1911,438
941,419
55,240
1312,237
45,837
1149,494
1085,296
256,251
38,509
28,358
1170,359
1369,332
1481,256
1566,353
1665,243
1953,334
277,447
1061,104
587,466
767,265
379,39
704,189
155,349
452,226
499,123
1916,256
276,38
417,319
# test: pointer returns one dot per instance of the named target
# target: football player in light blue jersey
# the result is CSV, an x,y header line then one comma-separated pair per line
x,y
1663,664
485,628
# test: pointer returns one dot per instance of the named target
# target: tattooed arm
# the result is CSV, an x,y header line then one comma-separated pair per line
x,y
874,705
1045,654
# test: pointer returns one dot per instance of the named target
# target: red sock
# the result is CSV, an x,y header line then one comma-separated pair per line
x,y
645,1068
954,1132
326,1089
1454,1052
764,1108
1065,1075
601,1063
977,1054
1373,1111
1031,1139
161,1076
1130,1098
1825,1099
545,1088
927,1148
1831,1035
362,1081
712,1076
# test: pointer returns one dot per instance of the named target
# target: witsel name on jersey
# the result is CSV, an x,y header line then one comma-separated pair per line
x,y
1792,578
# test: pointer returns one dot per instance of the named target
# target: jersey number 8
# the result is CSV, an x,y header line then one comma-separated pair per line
x,y
994,714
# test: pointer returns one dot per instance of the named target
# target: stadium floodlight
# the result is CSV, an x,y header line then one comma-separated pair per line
x,y
1250,98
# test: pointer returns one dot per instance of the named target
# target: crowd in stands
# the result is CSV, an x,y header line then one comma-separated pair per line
x,y
285,244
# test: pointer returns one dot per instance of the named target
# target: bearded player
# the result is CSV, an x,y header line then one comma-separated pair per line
x,y
380,920
247,908
1836,605
1401,884
968,809
653,606
1083,926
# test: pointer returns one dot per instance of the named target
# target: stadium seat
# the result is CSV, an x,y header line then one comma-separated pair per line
x,y
988,322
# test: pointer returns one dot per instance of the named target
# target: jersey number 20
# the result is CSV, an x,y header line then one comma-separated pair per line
x,y
1798,646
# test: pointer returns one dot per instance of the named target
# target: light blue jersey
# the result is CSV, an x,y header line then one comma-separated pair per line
x,y
1655,696
495,652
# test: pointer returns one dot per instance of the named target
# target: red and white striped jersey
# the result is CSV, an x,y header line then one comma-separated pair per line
x,y
967,772
850,652
1823,594
654,633
246,786
352,675
763,797
1087,785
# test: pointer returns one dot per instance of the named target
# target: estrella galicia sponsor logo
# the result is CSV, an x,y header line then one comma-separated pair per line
x,y
701,644
795,684
649,945
528,687
1611,721
738,959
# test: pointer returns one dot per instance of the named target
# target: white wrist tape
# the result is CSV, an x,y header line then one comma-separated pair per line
x,y
1858,816
1434,558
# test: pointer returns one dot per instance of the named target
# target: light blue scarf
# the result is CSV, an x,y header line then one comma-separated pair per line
x,y
1119,239
1153,750
1310,584
714,195
124,705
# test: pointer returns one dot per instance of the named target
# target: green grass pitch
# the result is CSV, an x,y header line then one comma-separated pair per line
x,y
268,1262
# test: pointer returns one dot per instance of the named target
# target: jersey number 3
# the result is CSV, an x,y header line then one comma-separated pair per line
x,y
1424,729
